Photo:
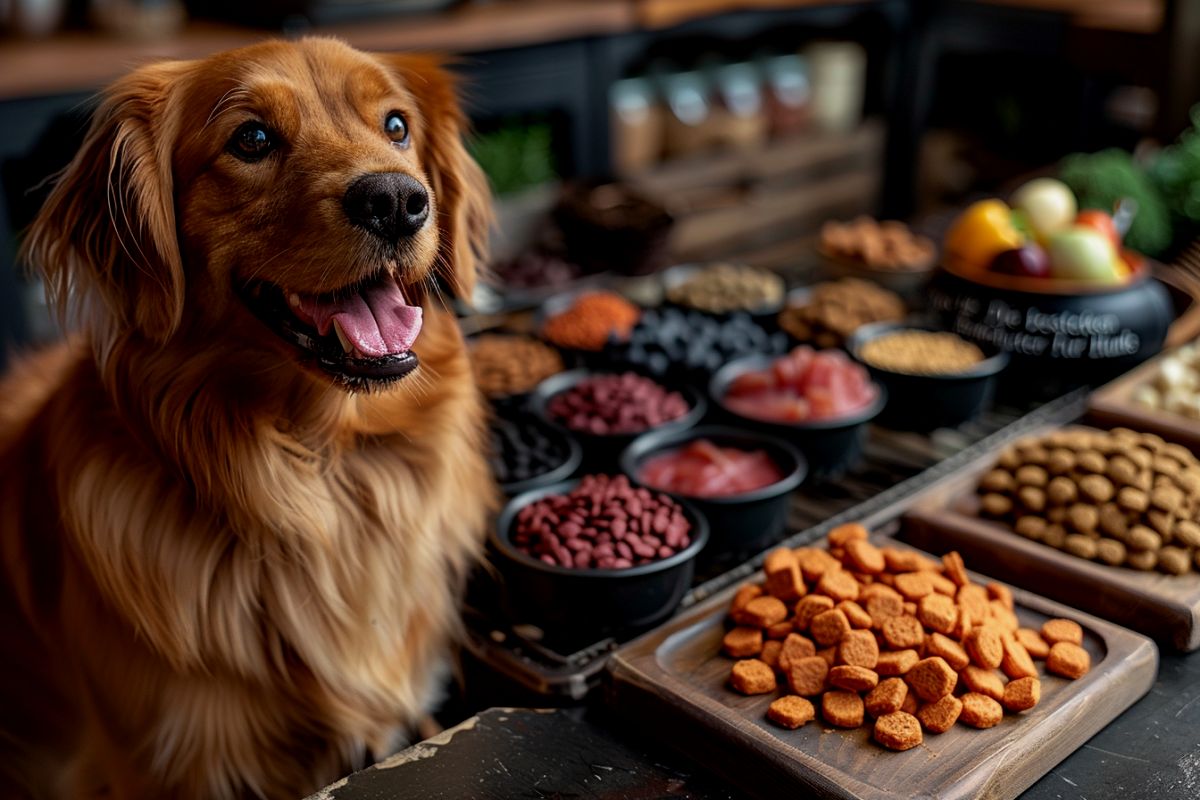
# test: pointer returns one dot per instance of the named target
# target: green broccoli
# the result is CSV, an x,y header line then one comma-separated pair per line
x,y
1100,179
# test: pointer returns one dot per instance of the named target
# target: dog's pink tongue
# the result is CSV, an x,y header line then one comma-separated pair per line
x,y
377,321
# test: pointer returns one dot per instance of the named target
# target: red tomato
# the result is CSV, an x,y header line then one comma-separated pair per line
x,y
1101,221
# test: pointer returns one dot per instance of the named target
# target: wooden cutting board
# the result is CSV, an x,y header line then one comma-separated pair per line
x,y
1112,406
671,684
1163,607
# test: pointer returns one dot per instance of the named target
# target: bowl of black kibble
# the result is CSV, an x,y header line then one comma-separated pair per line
x,y
689,346
527,453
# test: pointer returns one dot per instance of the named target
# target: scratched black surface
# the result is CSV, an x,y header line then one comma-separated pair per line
x,y
1151,751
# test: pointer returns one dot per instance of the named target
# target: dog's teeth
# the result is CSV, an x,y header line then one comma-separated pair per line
x,y
294,300
341,334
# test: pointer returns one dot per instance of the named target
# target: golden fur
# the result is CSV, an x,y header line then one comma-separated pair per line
x,y
224,575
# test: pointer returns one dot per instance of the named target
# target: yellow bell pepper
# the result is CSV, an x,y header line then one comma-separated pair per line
x,y
981,232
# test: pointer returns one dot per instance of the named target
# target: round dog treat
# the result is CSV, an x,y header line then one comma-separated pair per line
x,y
1032,641
770,654
857,616
975,598
886,697
983,681
1054,536
996,505
1133,499
1083,518
838,584
783,575
1111,552
795,647
853,679
1017,663
948,649
984,646
1060,461
741,642
808,608
1143,560
1032,498
743,596
931,678
815,563
1080,545
1068,660
998,480
940,715
864,557
791,711
1091,461
955,569
807,676
1174,560
913,585
1032,475
999,615
764,611
1030,527
938,612
903,632
752,677
980,711
1062,630
859,648
1000,592
896,662
829,654
779,630
1061,491
829,627
843,709
1096,488
884,604
897,731
846,533
1022,694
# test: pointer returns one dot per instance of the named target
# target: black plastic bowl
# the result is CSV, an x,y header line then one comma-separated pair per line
x,y
928,402
602,452
585,604
562,472
739,525
829,445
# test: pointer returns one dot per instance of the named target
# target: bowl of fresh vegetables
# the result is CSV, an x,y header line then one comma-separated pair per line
x,y
1052,285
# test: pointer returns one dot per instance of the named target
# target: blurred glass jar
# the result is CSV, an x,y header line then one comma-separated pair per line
x,y
838,74
739,120
688,97
636,117
788,93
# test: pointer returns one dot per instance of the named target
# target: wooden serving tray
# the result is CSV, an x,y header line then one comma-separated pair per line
x,y
1163,607
671,683
1112,406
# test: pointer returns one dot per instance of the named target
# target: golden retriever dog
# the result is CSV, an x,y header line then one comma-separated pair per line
x,y
238,504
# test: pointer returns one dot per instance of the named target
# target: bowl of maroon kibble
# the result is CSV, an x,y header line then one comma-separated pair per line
x,y
596,556
606,411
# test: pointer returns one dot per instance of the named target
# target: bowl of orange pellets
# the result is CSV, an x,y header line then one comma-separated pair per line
x,y
859,634
585,321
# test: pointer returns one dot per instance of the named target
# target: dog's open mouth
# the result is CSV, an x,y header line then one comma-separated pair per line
x,y
361,335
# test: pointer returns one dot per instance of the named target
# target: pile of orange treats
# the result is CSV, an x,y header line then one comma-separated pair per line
x,y
891,633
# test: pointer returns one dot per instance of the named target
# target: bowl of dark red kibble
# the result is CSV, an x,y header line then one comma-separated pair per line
x,y
607,411
596,556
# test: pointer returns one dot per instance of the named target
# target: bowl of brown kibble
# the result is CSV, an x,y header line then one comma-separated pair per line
x,y
508,366
934,378
826,314
888,253
721,289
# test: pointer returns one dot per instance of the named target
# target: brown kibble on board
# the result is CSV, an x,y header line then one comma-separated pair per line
x,y
984,646
770,654
842,535
809,607
783,575
779,630
1062,630
859,619
896,662
884,604
1061,491
752,677
1068,660
948,649
931,678
852,678
1000,616
942,585
998,591
913,585
741,642
1096,488
791,711
843,709
1032,498
903,632
1032,641
1017,663
1032,475
964,624
1174,560
864,557
764,611
898,731
795,647
983,681
956,569
829,627
975,598
743,596
829,654
898,560
815,563
998,480
996,505
837,584
940,715
1132,499
886,697
980,711
859,649
1022,694
808,676
937,612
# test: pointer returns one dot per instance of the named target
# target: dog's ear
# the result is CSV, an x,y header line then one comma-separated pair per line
x,y
460,189
105,241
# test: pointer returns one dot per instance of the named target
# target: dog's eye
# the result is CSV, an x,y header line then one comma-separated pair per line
x,y
252,141
396,127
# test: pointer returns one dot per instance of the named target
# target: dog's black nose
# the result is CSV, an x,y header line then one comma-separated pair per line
x,y
388,204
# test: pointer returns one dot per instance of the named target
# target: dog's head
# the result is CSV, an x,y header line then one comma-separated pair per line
x,y
301,200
